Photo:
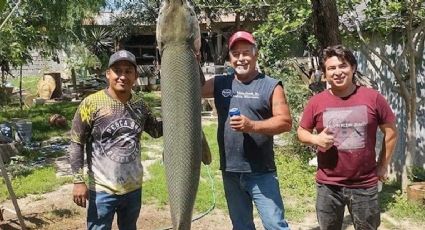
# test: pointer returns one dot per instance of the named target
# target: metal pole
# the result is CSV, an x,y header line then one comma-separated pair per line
x,y
11,192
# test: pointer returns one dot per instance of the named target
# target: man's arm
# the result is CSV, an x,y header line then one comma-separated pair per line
x,y
153,126
324,139
76,158
208,88
79,134
390,139
281,120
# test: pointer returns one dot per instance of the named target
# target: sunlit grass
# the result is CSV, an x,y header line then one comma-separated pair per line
x,y
38,181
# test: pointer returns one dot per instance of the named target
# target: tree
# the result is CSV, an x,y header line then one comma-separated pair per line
x,y
286,27
403,23
397,21
325,18
43,25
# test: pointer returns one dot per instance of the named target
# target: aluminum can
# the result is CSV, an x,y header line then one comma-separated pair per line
x,y
234,112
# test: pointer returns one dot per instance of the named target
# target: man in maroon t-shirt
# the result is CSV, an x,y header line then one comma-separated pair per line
x,y
345,119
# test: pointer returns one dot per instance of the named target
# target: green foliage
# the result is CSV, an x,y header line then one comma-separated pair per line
x,y
2,5
417,174
42,24
144,11
98,42
297,93
38,181
286,27
151,98
204,197
81,59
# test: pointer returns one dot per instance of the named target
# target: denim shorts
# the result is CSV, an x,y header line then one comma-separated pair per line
x,y
103,206
362,203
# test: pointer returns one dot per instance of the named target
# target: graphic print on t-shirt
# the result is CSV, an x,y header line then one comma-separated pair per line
x,y
119,140
348,125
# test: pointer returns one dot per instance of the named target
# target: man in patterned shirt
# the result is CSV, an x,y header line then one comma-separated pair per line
x,y
107,127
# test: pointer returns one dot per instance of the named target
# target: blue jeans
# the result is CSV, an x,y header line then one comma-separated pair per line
x,y
241,189
102,207
362,204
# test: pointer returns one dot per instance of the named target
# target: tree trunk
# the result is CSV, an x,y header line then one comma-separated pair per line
x,y
212,48
238,21
325,19
74,82
409,152
411,103
21,102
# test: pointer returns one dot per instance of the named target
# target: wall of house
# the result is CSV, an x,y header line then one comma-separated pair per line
x,y
389,90
41,65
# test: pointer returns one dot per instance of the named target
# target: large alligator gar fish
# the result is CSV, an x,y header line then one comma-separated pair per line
x,y
178,38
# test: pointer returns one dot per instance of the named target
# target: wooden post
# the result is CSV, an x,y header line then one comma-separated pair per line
x,y
11,192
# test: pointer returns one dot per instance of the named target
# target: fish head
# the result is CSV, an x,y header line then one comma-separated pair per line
x,y
177,24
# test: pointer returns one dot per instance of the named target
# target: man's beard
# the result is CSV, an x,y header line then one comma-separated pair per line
x,y
242,70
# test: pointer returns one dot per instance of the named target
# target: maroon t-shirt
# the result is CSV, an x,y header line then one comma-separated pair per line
x,y
354,120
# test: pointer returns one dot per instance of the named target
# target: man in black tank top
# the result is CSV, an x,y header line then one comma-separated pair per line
x,y
246,141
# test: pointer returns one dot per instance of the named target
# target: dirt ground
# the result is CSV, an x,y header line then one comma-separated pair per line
x,y
55,210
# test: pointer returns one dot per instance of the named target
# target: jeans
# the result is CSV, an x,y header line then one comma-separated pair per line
x,y
241,189
102,207
362,204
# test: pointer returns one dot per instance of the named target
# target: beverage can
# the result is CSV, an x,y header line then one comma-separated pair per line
x,y
234,112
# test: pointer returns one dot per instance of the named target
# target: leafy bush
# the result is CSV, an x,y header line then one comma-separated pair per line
x,y
417,174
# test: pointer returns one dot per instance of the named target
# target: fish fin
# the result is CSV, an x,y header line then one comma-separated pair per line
x,y
206,152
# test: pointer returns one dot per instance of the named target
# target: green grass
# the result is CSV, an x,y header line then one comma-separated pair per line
x,y
155,189
29,84
393,201
205,194
297,184
39,181
39,116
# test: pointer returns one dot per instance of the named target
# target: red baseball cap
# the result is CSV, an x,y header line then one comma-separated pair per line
x,y
241,36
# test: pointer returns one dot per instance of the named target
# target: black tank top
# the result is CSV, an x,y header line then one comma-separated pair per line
x,y
244,152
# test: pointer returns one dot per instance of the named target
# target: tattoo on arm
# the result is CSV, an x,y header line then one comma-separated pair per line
x,y
278,103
